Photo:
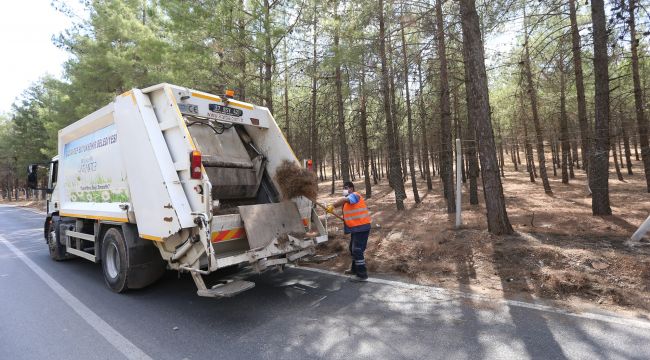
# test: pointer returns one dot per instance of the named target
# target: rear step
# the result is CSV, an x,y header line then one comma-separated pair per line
x,y
227,290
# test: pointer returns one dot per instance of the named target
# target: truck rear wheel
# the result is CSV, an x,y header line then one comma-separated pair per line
x,y
115,262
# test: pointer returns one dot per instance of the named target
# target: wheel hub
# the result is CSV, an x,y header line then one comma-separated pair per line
x,y
112,261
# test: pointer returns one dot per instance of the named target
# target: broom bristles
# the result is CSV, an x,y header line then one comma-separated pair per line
x,y
295,181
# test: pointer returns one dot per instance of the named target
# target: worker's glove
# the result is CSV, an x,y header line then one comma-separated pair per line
x,y
330,209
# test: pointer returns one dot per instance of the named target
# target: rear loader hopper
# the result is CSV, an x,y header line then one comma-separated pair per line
x,y
172,177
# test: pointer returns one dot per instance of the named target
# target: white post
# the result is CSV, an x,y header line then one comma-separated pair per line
x,y
459,164
642,230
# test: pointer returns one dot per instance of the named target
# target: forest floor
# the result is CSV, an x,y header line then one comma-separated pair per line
x,y
560,252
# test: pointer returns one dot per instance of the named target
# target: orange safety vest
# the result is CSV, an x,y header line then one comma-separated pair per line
x,y
357,214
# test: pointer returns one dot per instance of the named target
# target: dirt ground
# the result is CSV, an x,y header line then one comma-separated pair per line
x,y
560,252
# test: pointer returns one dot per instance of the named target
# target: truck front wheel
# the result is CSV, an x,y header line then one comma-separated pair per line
x,y
54,243
115,262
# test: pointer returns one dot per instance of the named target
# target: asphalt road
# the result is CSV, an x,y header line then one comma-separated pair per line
x,y
63,310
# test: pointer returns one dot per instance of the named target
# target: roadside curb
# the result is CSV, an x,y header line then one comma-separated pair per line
x,y
626,321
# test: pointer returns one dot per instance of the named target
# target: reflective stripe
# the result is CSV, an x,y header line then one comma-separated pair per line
x,y
357,216
359,262
355,210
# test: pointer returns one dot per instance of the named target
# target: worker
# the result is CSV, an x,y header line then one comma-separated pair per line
x,y
356,218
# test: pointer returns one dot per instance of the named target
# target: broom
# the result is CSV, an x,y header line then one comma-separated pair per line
x,y
295,181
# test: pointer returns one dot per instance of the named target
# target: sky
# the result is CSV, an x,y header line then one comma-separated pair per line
x,y
26,30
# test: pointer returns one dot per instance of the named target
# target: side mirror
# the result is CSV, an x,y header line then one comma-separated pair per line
x,y
32,176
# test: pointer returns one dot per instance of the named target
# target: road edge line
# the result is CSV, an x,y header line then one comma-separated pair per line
x,y
516,303
122,344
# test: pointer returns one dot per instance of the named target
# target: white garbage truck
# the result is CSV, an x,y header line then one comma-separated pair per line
x,y
170,177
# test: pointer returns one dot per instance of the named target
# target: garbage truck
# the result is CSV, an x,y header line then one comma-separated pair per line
x,y
168,177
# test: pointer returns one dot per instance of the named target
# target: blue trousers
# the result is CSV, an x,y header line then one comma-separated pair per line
x,y
358,242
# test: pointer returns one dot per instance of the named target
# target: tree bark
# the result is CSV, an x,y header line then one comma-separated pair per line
x,y
616,163
363,119
564,126
423,125
532,93
446,155
580,87
470,136
393,150
409,119
314,143
626,145
642,124
343,144
241,28
287,118
479,108
268,57
599,162
528,148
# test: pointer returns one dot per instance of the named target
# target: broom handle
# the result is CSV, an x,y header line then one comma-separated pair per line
x,y
325,207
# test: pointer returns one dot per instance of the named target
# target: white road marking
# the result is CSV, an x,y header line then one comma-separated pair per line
x,y
522,304
111,335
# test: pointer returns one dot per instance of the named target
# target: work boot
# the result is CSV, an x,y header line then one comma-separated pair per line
x,y
349,272
357,278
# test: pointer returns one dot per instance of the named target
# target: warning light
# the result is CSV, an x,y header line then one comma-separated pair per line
x,y
230,94
195,164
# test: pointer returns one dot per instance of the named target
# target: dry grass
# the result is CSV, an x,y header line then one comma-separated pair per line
x,y
295,181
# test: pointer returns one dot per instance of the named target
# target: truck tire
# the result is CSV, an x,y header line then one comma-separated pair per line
x,y
115,261
54,244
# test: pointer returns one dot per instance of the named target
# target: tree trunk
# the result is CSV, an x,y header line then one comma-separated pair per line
x,y
500,149
333,157
363,117
343,144
446,154
626,146
287,119
314,143
616,163
580,87
393,150
241,28
479,109
599,162
268,57
532,92
574,154
564,126
393,107
642,124
459,132
570,161
528,148
409,119
470,136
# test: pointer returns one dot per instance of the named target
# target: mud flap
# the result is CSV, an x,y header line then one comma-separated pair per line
x,y
145,263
